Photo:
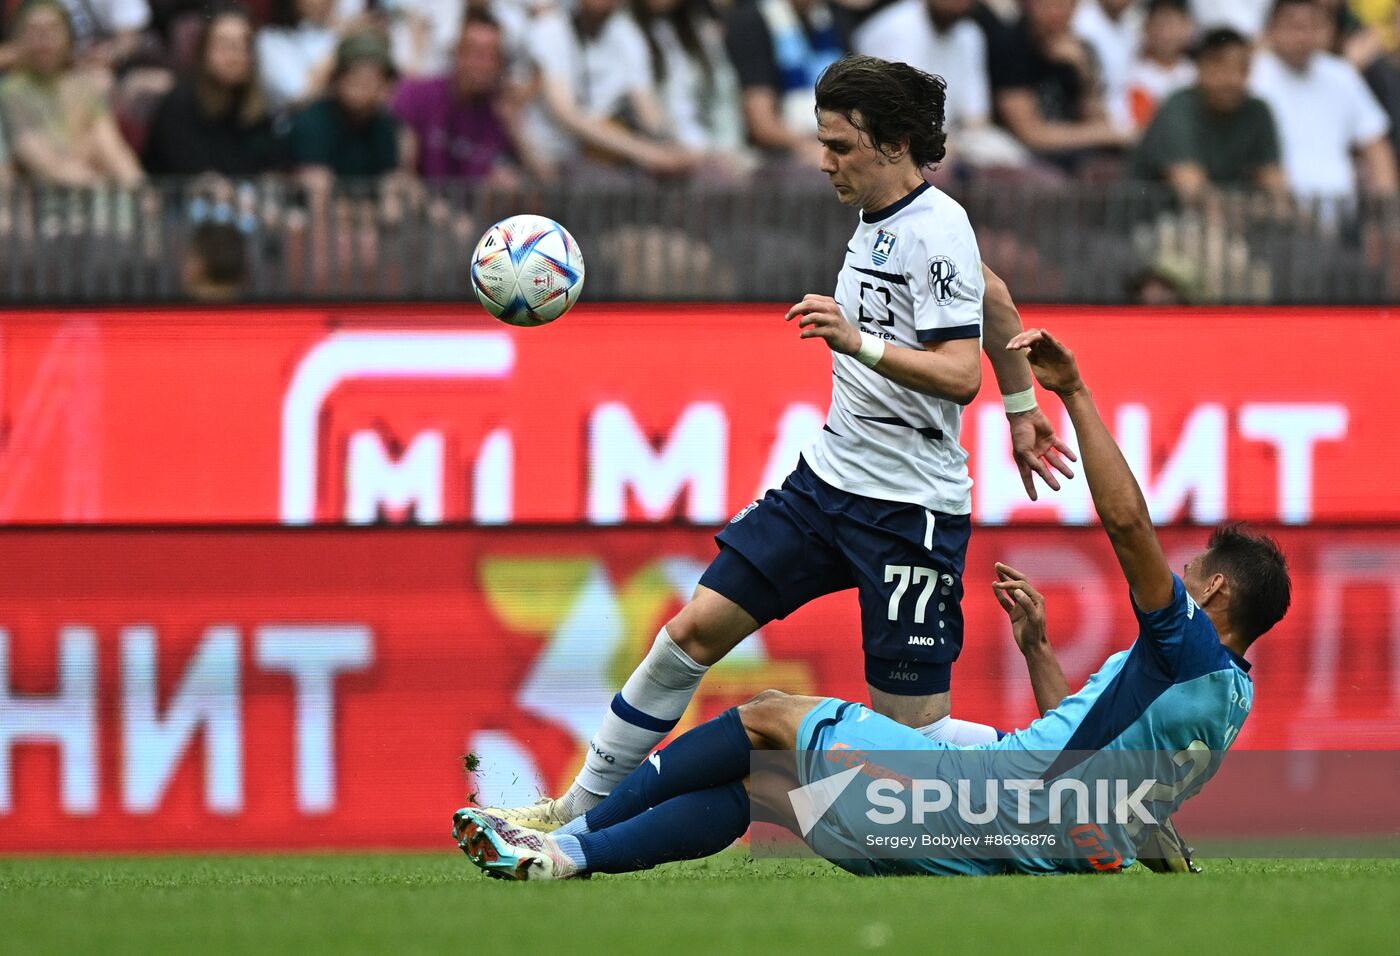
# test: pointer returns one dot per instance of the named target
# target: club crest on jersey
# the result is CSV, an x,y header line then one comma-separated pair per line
x,y
884,245
942,279
744,511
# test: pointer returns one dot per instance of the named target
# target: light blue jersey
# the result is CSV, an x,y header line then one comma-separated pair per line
x,y
1177,690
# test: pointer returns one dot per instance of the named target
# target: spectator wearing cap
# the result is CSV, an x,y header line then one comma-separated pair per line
x,y
1045,85
1165,281
59,126
1213,134
779,48
350,132
463,125
216,120
1324,111
595,99
1163,64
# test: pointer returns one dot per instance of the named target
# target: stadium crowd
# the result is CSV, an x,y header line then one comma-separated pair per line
x,y
1289,101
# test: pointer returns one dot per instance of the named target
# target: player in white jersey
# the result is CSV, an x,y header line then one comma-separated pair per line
x,y
911,278
881,502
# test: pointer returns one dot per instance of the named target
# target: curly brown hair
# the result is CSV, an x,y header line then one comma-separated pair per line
x,y
892,103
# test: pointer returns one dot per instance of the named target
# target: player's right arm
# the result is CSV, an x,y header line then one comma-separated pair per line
x,y
950,369
1117,497
943,270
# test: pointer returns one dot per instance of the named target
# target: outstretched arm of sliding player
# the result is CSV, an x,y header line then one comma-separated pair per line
x,y
1026,608
1117,497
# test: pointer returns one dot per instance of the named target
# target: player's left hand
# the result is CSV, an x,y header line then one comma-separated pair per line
x,y
1038,450
821,318
1053,365
1024,605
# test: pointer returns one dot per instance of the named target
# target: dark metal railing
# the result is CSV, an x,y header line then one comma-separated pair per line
x,y
761,240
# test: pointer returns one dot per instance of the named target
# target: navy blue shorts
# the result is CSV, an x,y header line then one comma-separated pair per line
x,y
807,539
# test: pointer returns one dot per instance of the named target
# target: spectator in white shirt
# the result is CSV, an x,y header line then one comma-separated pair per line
x,y
1162,65
1324,111
107,33
595,96
690,69
296,50
936,36
423,34
1246,16
1113,30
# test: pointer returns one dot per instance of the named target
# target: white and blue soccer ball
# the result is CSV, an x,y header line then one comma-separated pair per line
x,y
527,270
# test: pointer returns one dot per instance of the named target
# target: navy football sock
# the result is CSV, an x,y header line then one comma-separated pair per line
x,y
716,752
695,824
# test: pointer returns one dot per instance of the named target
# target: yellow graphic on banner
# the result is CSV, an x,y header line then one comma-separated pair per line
x,y
596,629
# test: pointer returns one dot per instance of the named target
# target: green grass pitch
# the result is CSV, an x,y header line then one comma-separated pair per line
x,y
436,903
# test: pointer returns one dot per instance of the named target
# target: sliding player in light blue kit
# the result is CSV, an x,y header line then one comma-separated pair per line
x,y
1182,687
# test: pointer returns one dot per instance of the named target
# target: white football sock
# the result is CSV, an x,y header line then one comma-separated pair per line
x,y
579,801
642,714
961,733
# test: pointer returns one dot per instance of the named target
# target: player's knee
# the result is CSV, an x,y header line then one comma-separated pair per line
x,y
757,711
765,719
687,632
704,635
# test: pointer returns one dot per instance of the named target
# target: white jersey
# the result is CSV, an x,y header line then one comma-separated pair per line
x,y
912,276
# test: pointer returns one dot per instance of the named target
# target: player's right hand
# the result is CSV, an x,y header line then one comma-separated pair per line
x,y
1053,364
1024,605
1037,449
821,318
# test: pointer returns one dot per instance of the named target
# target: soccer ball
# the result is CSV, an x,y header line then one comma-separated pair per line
x,y
527,270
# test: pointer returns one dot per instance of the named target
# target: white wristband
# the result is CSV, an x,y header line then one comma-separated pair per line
x,y
872,349
1019,401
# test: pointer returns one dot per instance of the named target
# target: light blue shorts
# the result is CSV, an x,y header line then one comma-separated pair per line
x,y
828,732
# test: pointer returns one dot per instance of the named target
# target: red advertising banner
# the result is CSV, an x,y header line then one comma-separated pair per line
x,y
318,687
638,414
